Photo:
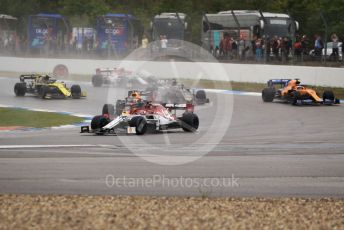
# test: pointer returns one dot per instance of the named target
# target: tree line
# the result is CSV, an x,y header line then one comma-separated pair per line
x,y
84,12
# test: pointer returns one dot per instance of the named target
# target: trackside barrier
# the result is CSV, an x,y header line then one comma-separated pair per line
x,y
259,73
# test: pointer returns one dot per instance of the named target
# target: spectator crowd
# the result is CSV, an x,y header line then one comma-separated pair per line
x,y
279,49
264,49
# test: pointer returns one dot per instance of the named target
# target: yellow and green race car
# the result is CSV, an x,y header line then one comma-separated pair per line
x,y
46,87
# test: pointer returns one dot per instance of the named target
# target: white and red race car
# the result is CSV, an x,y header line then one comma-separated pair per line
x,y
142,117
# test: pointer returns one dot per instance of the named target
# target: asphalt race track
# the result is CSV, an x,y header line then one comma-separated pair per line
x,y
269,149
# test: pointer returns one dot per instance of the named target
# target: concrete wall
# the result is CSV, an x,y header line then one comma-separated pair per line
x,y
324,76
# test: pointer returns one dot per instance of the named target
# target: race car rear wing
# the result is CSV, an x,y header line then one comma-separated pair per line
x,y
105,70
189,107
110,70
273,82
24,77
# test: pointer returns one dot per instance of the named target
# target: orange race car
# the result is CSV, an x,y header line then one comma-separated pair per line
x,y
291,91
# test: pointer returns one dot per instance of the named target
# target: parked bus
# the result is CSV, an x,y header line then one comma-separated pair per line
x,y
245,23
119,33
50,31
171,25
174,28
8,34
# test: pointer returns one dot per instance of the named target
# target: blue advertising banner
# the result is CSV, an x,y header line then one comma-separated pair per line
x,y
113,30
42,29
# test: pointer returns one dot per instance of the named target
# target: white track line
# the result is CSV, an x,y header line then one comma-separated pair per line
x,y
43,146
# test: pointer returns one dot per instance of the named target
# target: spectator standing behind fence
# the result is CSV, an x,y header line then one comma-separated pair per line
x,y
267,48
287,45
253,46
298,49
234,49
259,48
72,43
283,49
305,46
241,48
249,50
228,47
12,43
264,47
163,44
222,48
91,43
159,44
275,47
318,46
335,48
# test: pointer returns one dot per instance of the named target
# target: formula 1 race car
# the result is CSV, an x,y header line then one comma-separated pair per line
x,y
173,92
119,77
46,87
160,96
134,97
162,91
290,91
137,97
140,118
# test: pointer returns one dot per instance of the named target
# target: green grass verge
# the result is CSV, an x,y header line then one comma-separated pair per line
x,y
27,118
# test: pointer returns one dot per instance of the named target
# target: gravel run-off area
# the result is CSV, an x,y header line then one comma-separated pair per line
x,y
135,212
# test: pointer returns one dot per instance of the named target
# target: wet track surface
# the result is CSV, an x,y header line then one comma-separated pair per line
x,y
272,149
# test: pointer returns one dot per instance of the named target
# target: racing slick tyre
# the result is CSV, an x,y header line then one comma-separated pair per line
x,y
140,124
20,89
201,96
42,92
120,105
108,109
76,91
97,80
99,122
328,95
189,122
268,94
